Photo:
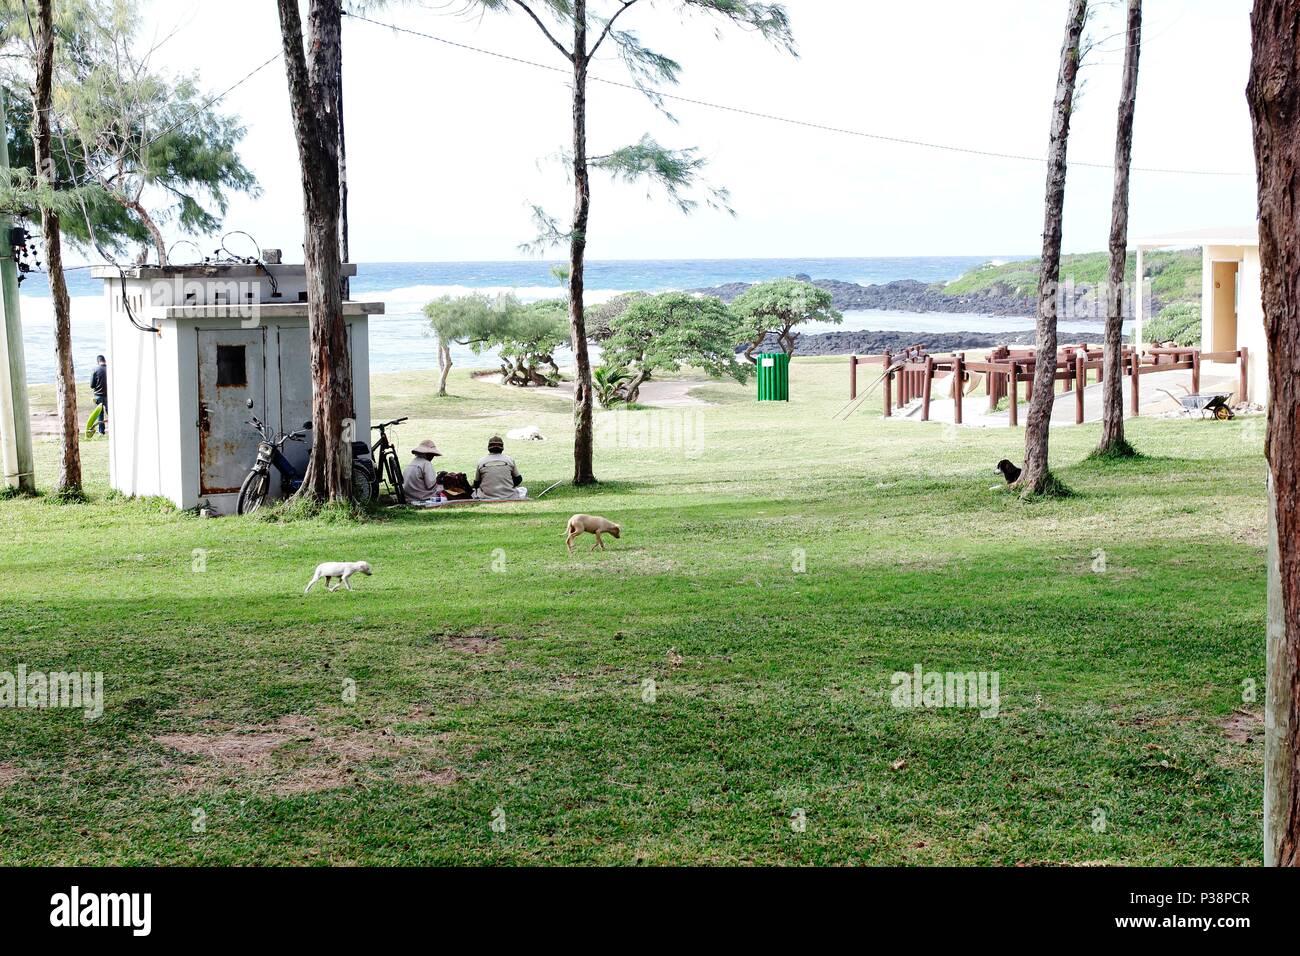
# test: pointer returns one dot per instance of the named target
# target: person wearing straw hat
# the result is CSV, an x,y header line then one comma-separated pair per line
x,y
497,476
420,481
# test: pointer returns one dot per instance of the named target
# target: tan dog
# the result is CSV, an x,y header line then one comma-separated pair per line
x,y
580,524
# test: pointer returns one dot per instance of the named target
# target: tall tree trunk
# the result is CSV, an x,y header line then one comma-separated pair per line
x,y
344,253
1274,96
313,97
69,480
1112,408
1034,480
583,431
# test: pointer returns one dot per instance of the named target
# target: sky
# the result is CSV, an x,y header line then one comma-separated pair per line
x,y
448,149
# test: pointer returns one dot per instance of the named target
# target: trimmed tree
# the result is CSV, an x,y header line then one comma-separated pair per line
x,y
526,340
464,320
313,95
662,333
674,170
525,336
1035,478
776,308
1112,442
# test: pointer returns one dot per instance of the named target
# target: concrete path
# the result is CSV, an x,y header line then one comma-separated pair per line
x,y
659,394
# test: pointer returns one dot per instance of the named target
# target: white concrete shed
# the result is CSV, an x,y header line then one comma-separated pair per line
x,y
188,346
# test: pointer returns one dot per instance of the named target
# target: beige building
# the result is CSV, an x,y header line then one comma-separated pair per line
x,y
1232,311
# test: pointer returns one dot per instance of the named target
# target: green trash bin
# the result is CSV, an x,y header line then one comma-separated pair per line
x,y
773,377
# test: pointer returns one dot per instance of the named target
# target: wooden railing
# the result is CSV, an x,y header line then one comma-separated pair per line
x,y
911,375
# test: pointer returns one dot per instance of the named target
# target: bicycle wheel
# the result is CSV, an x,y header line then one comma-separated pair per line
x,y
394,475
253,492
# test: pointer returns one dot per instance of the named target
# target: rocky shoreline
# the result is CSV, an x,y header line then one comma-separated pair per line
x,y
909,295
874,343
902,295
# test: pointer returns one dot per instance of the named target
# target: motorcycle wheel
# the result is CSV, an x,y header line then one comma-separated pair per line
x,y
252,493
395,478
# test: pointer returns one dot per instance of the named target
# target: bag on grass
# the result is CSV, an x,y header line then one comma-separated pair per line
x,y
455,485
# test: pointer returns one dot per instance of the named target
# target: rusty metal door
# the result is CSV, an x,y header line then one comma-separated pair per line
x,y
231,371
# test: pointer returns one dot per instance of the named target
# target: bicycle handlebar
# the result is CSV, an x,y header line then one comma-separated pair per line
x,y
396,421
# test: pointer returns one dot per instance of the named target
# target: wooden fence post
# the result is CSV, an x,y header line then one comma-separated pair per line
x,y
925,388
853,377
1245,360
1133,398
1080,370
958,374
1196,372
889,384
1013,396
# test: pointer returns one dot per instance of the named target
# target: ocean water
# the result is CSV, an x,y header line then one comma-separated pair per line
x,y
399,339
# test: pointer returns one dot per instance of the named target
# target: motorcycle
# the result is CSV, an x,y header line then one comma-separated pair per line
x,y
270,454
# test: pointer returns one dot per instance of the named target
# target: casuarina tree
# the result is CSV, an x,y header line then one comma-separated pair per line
x,y
1112,407
313,97
577,30
1035,478
69,479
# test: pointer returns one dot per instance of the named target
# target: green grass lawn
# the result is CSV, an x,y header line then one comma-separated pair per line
x,y
776,568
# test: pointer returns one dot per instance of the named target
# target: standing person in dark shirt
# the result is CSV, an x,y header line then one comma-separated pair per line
x,y
99,388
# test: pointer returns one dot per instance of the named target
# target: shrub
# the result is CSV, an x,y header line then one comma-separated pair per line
x,y
1176,323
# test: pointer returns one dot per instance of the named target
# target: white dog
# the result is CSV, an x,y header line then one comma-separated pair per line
x,y
581,524
337,569
531,433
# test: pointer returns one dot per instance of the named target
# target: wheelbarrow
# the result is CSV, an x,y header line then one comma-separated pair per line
x,y
1210,406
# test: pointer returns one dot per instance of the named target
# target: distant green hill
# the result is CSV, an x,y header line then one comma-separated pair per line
x,y
1175,276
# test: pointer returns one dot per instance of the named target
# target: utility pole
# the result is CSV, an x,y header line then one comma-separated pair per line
x,y
15,422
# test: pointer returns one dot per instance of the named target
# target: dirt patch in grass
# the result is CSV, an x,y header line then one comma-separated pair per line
x,y
9,775
1242,726
295,755
470,643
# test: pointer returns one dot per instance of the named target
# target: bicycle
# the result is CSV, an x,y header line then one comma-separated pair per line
x,y
387,466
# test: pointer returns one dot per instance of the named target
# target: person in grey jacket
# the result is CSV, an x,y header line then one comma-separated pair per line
x,y
497,476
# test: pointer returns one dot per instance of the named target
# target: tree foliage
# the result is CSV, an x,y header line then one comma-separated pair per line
x,y
662,333
136,149
777,307
524,336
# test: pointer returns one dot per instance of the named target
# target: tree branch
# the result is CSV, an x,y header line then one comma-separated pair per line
x,y
609,23
542,26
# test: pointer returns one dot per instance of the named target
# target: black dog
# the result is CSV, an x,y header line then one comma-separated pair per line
x,y
1008,471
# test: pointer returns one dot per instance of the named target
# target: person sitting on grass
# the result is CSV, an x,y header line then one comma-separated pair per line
x,y
497,476
419,480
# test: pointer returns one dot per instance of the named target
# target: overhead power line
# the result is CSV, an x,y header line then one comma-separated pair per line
x,y
791,121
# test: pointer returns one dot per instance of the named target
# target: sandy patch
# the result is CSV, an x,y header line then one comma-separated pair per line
x,y
294,755
9,774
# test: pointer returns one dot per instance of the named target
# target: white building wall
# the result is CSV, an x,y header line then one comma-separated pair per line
x,y
1250,327
1250,313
